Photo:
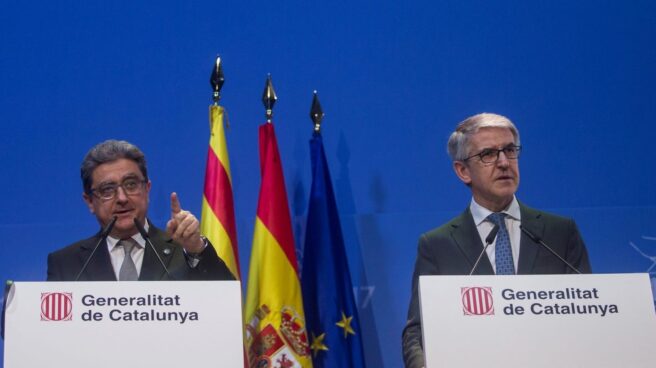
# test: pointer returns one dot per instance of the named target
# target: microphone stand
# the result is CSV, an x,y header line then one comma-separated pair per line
x,y
488,240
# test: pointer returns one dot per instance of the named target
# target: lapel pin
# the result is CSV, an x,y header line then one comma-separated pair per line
x,y
167,251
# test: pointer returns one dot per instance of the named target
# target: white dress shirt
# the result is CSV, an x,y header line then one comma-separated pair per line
x,y
117,254
484,226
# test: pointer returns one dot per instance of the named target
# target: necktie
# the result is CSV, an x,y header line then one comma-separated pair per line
x,y
128,270
503,257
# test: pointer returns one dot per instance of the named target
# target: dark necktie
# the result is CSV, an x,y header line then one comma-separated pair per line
x,y
503,257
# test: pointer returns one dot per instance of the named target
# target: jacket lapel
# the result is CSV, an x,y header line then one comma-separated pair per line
x,y
151,269
100,265
528,250
465,235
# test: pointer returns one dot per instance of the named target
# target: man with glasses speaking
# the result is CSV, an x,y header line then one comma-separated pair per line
x,y
485,150
129,247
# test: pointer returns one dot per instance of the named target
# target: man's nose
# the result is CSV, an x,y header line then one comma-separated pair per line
x,y
502,160
121,196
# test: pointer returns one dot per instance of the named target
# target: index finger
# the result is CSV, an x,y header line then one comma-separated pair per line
x,y
175,204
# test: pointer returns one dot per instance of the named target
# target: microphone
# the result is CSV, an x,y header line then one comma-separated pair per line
x,y
542,243
144,234
488,240
103,236
8,287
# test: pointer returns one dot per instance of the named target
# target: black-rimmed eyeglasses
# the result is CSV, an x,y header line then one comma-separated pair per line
x,y
491,155
108,191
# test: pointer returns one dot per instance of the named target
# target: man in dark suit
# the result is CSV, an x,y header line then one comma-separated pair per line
x,y
485,149
116,185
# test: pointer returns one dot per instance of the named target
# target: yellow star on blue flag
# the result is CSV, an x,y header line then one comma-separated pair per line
x,y
317,343
345,323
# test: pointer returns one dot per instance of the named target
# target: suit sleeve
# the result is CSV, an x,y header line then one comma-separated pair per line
x,y
54,273
412,344
209,267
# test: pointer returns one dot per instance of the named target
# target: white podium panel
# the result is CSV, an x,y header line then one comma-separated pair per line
x,y
124,324
538,321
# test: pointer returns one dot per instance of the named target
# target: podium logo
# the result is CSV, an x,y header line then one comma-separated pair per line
x,y
477,301
56,306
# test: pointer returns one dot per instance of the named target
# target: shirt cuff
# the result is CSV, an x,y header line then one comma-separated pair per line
x,y
193,259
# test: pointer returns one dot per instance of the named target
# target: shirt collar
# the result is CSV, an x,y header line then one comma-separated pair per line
x,y
141,242
480,213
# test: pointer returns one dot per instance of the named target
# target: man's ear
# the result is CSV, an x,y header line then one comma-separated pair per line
x,y
462,171
149,185
89,201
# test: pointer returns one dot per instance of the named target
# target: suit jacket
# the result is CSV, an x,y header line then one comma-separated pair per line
x,y
64,264
452,249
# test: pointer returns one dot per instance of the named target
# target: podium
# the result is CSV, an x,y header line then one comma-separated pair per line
x,y
124,324
604,320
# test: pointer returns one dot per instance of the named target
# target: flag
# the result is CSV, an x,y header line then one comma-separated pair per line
x,y
275,322
332,317
217,221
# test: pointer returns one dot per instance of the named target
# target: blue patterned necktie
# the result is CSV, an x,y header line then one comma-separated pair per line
x,y
503,257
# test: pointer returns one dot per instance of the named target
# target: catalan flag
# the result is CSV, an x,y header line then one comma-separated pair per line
x,y
275,321
332,316
218,214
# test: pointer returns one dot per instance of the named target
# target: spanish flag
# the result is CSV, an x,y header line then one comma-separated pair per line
x,y
275,322
218,214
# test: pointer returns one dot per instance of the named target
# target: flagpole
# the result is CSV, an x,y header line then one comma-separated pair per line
x,y
332,320
217,222
275,319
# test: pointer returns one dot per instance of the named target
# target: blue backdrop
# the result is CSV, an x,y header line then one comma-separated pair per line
x,y
393,77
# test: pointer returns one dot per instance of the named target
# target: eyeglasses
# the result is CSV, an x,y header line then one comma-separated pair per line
x,y
108,191
491,155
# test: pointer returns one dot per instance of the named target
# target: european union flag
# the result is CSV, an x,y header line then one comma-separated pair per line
x,y
330,311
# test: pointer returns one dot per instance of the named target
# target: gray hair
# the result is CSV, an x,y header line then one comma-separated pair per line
x,y
458,144
109,151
